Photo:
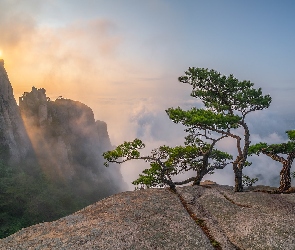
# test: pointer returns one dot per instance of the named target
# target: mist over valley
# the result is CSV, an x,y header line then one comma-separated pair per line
x,y
56,148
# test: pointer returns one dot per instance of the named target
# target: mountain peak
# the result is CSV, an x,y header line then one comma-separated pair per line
x,y
1,62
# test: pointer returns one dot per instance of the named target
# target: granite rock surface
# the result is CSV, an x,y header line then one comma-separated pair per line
x,y
161,219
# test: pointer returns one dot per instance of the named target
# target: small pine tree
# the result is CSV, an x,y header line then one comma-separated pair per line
x,y
283,153
167,162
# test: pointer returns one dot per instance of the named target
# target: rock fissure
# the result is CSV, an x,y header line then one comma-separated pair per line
x,y
194,198
201,223
233,202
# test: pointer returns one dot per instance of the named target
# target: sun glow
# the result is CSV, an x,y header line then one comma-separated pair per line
x,y
1,53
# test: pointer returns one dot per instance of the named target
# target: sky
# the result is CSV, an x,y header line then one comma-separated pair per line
x,y
122,58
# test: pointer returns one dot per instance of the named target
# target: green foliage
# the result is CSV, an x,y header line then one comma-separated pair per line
x,y
27,199
227,101
247,164
274,149
215,243
224,94
166,162
203,119
220,156
291,134
262,147
257,148
127,150
248,182
150,177
283,153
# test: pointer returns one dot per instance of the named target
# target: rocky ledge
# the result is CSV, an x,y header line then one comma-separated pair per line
x,y
206,217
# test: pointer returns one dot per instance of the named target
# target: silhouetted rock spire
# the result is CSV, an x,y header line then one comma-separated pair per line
x,y
14,142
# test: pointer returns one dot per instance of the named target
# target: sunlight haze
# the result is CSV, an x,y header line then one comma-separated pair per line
x,y
123,59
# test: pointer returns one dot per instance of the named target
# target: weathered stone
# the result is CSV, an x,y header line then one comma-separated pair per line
x,y
156,219
145,219
246,220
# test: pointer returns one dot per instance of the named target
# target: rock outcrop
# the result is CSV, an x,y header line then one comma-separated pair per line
x,y
161,219
61,137
15,145
68,142
50,158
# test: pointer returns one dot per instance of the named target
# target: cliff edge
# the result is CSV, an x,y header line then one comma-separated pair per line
x,y
161,219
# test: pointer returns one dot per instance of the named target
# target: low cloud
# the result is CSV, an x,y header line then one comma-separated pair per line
x,y
87,60
65,60
156,128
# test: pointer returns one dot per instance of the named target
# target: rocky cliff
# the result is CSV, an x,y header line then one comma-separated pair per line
x,y
204,217
15,145
68,142
50,158
61,136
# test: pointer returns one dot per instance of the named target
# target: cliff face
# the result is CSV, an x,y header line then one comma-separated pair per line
x,y
159,219
68,142
50,158
15,145
61,137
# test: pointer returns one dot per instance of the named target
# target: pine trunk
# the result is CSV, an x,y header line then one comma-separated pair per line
x,y
238,178
204,170
285,182
198,179
196,182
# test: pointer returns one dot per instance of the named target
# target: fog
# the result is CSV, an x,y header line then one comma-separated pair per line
x,y
123,61
69,144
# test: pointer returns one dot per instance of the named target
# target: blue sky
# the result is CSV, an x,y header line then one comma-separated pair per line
x,y
122,58
236,35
